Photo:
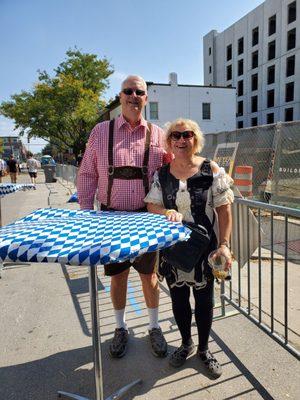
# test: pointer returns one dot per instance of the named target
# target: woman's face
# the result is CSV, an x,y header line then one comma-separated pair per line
x,y
182,141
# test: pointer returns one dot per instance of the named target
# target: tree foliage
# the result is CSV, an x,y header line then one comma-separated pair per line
x,y
64,108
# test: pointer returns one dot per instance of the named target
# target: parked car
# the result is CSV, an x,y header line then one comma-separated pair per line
x,y
47,160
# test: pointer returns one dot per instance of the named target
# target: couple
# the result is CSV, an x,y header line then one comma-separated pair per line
x,y
199,191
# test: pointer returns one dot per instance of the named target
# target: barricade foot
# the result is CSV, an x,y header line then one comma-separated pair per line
x,y
120,393
117,395
65,395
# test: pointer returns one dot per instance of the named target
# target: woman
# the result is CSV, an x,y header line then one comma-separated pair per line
x,y
194,189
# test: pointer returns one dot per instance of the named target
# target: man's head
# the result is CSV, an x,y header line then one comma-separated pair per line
x,y
133,97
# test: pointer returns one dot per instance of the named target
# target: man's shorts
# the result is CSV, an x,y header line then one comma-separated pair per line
x,y
144,264
32,174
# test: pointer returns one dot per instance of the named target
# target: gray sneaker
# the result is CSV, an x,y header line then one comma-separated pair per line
x,y
118,345
180,355
158,343
211,364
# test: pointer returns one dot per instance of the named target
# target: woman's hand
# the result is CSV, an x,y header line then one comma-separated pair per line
x,y
224,251
173,215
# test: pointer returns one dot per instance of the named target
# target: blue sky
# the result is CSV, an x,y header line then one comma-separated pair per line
x,y
148,38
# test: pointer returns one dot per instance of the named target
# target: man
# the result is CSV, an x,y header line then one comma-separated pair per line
x,y
32,166
12,166
116,152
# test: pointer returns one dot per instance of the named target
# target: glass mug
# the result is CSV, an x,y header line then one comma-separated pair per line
x,y
217,264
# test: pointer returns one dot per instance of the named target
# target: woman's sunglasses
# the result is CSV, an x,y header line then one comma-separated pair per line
x,y
130,91
185,134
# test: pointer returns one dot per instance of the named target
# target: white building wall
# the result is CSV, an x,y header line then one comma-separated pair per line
x,y
243,28
186,102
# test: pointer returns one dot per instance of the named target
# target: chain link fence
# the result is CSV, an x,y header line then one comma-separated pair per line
x,y
273,152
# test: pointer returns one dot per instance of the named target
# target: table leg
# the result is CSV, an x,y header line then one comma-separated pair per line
x,y
93,286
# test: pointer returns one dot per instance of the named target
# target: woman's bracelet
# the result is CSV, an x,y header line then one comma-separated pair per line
x,y
168,212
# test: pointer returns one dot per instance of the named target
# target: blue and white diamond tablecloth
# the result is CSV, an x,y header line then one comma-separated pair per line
x,y
86,237
7,188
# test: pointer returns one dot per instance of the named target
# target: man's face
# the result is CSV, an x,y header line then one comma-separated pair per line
x,y
136,101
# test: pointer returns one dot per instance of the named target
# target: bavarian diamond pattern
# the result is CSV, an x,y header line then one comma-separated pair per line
x,y
86,237
7,188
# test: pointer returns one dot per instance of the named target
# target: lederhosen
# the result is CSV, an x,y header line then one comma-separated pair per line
x,y
126,172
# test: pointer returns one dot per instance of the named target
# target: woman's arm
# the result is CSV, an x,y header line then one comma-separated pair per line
x,y
225,225
172,215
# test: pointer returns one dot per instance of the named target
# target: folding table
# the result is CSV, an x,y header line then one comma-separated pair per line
x,y
88,238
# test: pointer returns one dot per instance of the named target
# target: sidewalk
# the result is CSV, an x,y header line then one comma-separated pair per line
x,y
46,338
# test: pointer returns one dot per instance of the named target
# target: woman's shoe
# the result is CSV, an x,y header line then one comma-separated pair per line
x,y
211,364
180,355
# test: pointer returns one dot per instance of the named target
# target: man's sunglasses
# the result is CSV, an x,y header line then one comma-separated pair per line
x,y
185,134
130,91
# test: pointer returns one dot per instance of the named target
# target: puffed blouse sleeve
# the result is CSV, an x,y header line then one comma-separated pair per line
x,y
221,191
155,194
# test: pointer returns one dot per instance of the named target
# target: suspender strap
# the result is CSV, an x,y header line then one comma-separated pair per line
x,y
110,160
127,172
146,158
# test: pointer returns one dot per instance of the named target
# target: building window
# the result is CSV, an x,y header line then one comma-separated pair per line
x,y
289,91
229,72
240,88
271,74
209,69
254,104
270,98
255,59
229,52
240,124
254,121
205,110
291,39
292,12
240,108
290,66
153,110
241,46
255,36
209,51
289,114
271,50
270,118
272,25
240,67
254,82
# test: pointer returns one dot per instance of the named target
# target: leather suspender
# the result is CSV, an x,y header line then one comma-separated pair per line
x,y
127,172
110,160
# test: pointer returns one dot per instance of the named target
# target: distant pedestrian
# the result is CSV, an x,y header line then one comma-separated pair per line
x,y
3,168
12,166
32,166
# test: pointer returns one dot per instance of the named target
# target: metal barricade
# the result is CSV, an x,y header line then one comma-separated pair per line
x,y
265,289
67,173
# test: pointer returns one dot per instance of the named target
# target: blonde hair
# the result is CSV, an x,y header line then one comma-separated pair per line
x,y
190,126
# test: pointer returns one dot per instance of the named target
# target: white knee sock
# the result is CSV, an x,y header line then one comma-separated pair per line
x,y
153,318
120,318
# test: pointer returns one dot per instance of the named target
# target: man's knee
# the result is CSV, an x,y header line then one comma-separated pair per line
x,y
150,280
120,278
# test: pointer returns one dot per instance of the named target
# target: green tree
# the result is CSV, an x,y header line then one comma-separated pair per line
x,y
64,108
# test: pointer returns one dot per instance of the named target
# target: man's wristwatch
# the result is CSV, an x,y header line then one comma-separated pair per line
x,y
224,243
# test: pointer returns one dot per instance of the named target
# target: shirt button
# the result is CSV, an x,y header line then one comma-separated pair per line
x,y
132,191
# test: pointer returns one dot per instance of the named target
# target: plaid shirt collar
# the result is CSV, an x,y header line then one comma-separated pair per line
x,y
121,121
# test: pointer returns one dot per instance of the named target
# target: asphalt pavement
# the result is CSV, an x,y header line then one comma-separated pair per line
x,y
45,333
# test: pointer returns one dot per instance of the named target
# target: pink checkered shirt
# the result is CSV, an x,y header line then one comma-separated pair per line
x,y
128,150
